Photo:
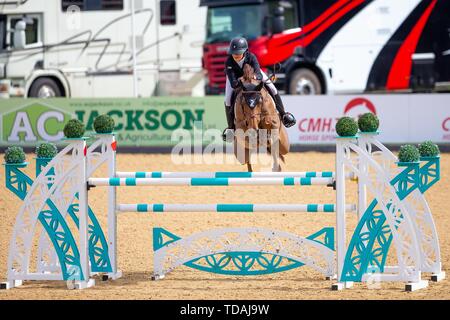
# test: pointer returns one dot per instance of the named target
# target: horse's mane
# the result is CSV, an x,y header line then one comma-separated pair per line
x,y
248,73
248,77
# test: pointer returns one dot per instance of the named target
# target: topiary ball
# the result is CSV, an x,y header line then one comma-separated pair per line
x,y
368,122
346,127
408,153
428,149
74,128
14,154
104,124
46,150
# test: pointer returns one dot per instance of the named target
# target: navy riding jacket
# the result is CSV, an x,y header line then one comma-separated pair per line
x,y
234,72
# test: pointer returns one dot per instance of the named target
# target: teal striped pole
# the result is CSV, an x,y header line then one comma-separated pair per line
x,y
229,207
287,181
225,174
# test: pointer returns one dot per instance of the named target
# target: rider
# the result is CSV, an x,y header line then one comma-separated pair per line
x,y
238,56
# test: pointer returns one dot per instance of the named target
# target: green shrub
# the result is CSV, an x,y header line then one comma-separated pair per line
x,y
14,154
408,153
46,150
104,124
368,122
74,129
428,149
346,127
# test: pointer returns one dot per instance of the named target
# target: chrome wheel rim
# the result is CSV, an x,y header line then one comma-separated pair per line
x,y
46,92
305,87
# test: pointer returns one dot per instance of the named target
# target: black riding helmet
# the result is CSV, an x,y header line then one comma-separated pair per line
x,y
238,45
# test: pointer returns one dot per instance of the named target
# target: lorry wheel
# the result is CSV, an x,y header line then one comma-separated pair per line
x,y
45,88
304,82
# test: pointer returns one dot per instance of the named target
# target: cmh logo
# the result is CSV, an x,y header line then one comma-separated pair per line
x,y
326,124
33,122
359,106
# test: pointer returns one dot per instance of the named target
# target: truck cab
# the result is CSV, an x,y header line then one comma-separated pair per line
x,y
329,46
253,20
20,33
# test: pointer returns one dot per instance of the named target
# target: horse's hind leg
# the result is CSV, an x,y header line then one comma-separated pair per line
x,y
248,160
276,167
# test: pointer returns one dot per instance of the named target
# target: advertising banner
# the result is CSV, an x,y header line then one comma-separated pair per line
x,y
404,118
139,122
150,122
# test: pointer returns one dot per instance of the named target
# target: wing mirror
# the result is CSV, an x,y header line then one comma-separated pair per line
x,y
278,20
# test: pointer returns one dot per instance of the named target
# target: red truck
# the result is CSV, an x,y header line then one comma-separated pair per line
x,y
335,46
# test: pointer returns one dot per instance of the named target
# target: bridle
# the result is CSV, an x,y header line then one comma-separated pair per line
x,y
243,103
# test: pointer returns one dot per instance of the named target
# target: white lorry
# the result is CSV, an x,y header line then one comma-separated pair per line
x,y
85,48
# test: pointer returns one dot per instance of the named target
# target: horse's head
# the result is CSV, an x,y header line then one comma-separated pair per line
x,y
250,99
252,95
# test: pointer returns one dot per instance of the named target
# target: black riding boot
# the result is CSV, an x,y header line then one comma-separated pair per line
x,y
229,111
287,118
230,117
279,104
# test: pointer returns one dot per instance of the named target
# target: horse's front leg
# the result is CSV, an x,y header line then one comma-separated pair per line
x,y
273,148
276,167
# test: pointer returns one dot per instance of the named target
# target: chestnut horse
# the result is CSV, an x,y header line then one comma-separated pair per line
x,y
255,110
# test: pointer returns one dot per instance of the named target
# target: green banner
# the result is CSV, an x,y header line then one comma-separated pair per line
x,y
138,122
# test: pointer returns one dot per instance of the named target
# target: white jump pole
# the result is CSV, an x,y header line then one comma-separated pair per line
x,y
340,214
362,188
230,207
112,214
83,220
290,181
225,174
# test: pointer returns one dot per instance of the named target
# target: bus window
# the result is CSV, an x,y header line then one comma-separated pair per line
x,y
168,14
90,5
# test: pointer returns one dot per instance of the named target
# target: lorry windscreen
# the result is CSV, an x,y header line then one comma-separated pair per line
x,y
225,23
